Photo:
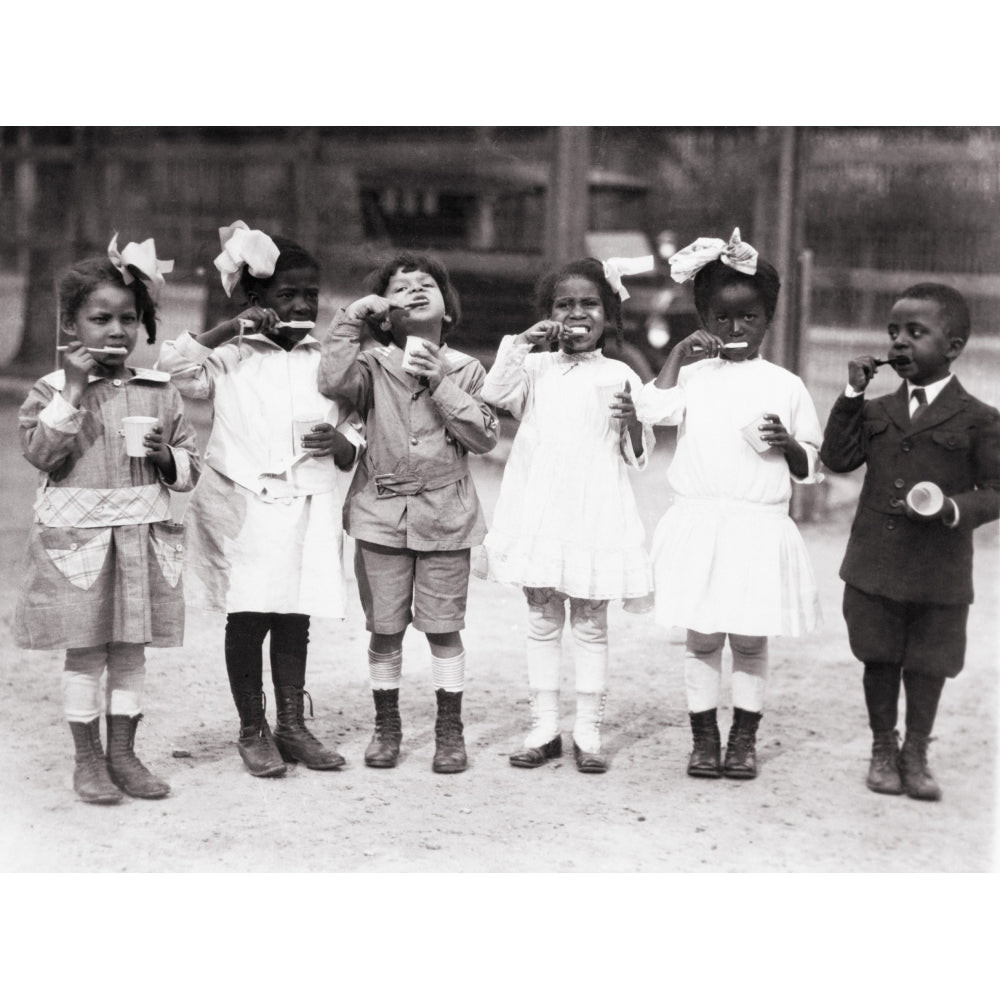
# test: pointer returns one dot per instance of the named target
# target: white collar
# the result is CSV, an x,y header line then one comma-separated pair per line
x,y
933,390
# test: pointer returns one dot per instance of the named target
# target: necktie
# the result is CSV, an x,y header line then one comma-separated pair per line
x,y
919,397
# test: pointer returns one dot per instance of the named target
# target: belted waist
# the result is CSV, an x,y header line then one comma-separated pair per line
x,y
409,484
88,507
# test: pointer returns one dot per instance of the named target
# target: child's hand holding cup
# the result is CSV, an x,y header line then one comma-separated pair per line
x,y
134,430
926,502
303,424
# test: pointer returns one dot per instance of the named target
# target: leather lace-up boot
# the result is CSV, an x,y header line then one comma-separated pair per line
x,y
91,780
883,771
383,750
293,740
918,782
126,770
706,753
256,743
741,748
449,750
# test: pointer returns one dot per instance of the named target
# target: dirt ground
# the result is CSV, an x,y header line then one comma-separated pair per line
x,y
808,811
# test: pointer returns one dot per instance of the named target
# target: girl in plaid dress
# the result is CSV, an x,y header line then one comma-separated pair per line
x,y
104,558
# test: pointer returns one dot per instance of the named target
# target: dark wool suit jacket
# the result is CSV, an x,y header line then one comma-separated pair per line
x,y
955,442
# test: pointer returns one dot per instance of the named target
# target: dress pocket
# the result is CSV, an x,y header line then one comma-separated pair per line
x,y
167,540
78,553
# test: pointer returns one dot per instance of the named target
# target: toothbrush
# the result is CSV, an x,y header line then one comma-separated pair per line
x,y
294,324
736,344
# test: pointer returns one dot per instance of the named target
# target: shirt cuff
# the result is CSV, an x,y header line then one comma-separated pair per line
x,y
950,518
851,393
60,414
188,348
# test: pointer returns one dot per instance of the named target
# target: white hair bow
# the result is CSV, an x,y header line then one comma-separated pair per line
x,y
740,256
141,256
244,247
615,267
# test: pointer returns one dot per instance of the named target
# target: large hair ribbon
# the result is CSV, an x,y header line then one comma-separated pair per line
x,y
616,267
740,256
244,247
141,256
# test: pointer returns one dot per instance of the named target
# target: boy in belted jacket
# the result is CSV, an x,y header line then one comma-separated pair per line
x,y
908,566
412,508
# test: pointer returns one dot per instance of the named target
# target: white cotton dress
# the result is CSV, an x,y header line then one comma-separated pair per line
x,y
566,516
726,555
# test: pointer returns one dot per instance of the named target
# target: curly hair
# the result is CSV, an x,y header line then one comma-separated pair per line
x,y
79,280
406,260
592,270
716,275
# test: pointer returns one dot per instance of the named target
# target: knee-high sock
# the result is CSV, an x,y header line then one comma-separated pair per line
x,y
881,683
589,623
126,678
923,693
448,672
543,652
81,682
750,662
703,669
385,669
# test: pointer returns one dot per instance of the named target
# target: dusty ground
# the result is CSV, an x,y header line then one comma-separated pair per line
x,y
809,810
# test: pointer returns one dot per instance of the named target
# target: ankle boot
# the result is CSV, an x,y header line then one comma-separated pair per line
x,y
544,742
126,770
383,750
741,748
705,760
918,782
883,771
294,741
256,744
91,781
449,750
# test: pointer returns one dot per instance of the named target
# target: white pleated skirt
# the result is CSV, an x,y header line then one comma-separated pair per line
x,y
733,566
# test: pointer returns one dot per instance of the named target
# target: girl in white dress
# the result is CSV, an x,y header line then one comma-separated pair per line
x,y
566,527
727,558
266,541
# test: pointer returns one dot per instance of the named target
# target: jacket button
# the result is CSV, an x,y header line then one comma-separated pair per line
x,y
413,440
906,446
891,525
117,381
416,395
899,484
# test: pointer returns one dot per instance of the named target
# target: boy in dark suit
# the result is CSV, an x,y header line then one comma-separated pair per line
x,y
908,566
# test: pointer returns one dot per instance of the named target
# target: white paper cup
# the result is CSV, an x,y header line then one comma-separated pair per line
x,y
751,433
607,397
926,499
303,423
411,344
135,429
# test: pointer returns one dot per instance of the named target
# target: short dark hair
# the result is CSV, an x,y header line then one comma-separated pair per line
x,y
590,269
407,260
290,256
953,306
79,280
716,275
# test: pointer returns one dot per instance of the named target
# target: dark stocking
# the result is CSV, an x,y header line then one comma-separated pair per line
x,y
923,693
881,682
289,639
